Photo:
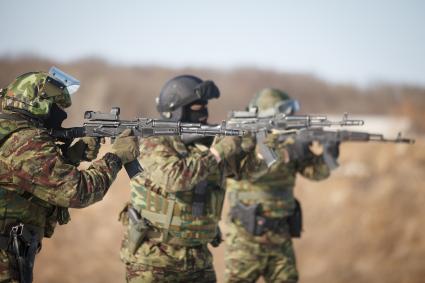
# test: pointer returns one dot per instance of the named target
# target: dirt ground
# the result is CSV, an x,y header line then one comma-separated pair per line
x,y
364,224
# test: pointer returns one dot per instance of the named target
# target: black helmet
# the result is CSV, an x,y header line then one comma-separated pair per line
x,y
181,91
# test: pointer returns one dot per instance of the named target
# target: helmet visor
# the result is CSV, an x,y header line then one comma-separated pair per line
x,y
286,107
71,83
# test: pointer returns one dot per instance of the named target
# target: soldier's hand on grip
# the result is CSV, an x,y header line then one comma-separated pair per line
x,y
126,147
226,147
86,149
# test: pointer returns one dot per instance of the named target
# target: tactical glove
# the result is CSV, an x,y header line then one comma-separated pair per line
x,y
126,147
86,149
226,147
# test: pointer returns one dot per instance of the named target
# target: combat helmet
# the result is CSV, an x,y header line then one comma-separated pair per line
x,y
270,101
181,91
34,93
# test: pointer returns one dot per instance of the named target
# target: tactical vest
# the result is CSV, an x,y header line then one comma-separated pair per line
x,y
270,187
188,218
17,205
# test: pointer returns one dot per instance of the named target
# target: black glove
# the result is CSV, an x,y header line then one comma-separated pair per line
x,y
85,149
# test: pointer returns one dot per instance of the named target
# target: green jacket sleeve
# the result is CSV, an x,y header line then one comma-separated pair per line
x,y
38,167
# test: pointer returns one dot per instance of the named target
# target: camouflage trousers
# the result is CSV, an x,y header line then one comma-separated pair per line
x,y
247,261
159,262
146,274
5,269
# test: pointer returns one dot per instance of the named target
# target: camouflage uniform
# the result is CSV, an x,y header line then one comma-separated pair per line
x,y
37,184
263,211
270,254
181,196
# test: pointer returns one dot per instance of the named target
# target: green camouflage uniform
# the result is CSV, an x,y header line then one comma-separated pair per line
x,y
37,184
181,195
270,255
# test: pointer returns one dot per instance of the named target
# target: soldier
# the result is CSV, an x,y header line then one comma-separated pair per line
x,y
176,202
39,179
264,213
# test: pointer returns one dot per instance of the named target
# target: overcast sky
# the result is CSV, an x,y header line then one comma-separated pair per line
x,y
355,41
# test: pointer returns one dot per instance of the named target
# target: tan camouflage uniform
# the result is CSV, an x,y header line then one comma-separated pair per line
x,y
270,255
183,219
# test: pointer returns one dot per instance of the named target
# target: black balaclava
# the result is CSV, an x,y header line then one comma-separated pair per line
x,y
55,118
194,116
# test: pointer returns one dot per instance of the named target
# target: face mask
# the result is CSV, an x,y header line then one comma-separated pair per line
x,y
197,116
194,116
56,118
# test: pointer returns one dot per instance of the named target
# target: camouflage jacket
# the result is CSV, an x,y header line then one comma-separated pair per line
x,y
181,191
273,187
37,184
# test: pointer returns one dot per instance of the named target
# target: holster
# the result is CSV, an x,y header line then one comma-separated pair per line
x,y
246,215
295,221
137,231
255,224
24,242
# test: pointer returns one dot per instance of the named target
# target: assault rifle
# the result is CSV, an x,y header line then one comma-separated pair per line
x,y
330,139
100,124
251,121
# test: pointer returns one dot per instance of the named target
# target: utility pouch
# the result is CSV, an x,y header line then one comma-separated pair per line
x,y
138,229
246,215
199,199
295,221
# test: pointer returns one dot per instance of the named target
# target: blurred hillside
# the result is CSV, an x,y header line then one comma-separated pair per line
x,y
364,224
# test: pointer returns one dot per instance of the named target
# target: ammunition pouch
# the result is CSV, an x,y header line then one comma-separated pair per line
x,y
295,221
257,225
254,224
22,244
